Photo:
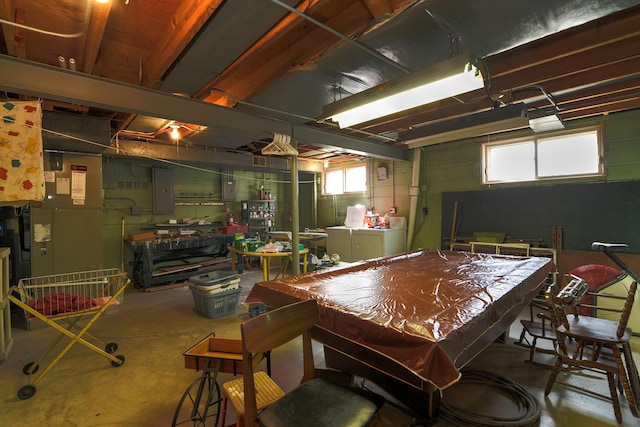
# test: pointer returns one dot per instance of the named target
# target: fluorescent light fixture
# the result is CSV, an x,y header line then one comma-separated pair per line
x,y
544,119
452,77
503,119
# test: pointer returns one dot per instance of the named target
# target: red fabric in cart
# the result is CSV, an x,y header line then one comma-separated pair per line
x,y
422,309
54,304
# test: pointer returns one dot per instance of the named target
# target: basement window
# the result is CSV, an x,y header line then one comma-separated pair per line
x,y
345,180
560,155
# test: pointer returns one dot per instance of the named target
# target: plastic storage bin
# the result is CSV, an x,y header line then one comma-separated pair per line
x,y
216,304
214,281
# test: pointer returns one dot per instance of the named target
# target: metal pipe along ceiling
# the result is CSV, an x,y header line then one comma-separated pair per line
x,y
349,40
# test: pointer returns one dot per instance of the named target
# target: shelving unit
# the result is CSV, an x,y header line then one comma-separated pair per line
x,y
260,215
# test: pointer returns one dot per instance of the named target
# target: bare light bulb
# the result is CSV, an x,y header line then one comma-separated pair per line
x,y
174,132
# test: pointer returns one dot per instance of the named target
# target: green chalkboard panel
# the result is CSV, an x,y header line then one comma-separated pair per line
x,y
586,212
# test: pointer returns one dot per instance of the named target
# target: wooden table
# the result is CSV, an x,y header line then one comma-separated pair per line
x,y
409,322
265,258
304,236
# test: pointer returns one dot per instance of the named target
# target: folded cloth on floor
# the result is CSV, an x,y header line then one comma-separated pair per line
x,y
61,303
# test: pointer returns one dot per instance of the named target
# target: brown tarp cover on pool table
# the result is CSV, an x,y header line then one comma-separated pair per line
x,y
421,309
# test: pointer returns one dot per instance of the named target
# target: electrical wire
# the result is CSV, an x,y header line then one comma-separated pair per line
x,y
528,406
85,25
157,159
549,96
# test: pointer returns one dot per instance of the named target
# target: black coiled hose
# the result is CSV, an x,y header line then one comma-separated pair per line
x,y
528,406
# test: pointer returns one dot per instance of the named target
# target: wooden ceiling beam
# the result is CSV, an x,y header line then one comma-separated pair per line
x,y
613,106
574,63
624,89
377,8
18,35
597,77
290,44
258,62
603,31
381,9
567,86
7,13
281,29
570,66
95,33
186,23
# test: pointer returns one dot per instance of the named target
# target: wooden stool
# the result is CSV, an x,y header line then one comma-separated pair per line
x,y
267,392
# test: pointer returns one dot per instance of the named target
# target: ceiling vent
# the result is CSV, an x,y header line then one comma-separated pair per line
x,y
259,161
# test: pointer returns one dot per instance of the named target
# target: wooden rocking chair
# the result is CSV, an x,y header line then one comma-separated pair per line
x,y
593,344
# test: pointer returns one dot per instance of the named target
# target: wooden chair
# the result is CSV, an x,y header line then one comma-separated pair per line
x,y
267,392
593,344
537,327
316,401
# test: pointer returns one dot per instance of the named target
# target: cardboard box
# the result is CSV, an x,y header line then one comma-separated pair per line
x,y
142,236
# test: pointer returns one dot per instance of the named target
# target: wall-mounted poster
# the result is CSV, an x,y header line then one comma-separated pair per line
x,y
21,158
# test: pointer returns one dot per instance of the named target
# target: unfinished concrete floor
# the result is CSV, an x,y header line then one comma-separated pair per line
x,y
153,329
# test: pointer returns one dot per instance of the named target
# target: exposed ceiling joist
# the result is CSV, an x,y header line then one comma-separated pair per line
x,y
95,32
600,51
276,63
185,24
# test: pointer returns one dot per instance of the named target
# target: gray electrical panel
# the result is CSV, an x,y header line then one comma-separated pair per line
x,y
228,189
162,191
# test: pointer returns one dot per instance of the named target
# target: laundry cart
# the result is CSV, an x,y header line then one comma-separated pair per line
x,y
70,303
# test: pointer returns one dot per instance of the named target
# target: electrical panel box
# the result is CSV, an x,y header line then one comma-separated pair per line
x,y
228,189
162,191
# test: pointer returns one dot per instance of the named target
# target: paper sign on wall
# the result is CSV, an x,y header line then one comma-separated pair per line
x,y
78,183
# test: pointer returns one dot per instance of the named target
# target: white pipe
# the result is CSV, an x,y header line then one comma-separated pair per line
x,y
414,191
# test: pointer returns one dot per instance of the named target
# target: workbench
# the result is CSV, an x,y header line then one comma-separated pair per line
x,y
174,259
